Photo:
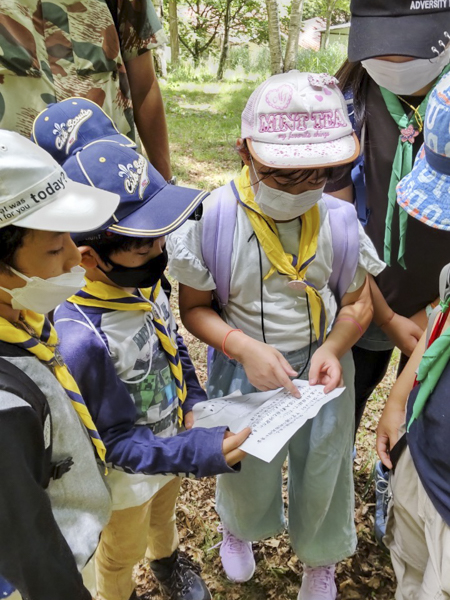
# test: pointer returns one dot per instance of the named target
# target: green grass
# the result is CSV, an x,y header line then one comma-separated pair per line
x,y
324,61
204,123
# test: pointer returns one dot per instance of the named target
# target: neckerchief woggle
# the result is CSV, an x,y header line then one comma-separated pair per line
x,y
293,267
51,358
402,165
102,295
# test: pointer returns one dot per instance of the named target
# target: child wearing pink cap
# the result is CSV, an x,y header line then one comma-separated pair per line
x,y
288,267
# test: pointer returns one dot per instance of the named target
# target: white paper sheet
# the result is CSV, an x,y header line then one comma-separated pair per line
x,y
274,416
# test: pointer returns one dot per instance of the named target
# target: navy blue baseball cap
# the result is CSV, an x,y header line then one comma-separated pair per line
x,y
415,28
65,127
149,206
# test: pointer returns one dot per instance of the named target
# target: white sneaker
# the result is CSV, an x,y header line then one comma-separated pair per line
x,y
318,584
237,557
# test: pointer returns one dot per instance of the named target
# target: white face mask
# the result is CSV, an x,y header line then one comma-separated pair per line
x,y
283,206
44,295
406,77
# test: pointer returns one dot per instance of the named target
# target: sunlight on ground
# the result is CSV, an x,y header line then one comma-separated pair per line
x,y
200,171
197,107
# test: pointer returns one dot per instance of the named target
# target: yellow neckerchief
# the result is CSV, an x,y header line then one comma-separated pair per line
x,y
50,357
102,295
284,263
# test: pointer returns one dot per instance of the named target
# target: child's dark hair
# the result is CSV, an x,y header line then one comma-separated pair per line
x,y
354,77
11,239
106,243
314,176
325,174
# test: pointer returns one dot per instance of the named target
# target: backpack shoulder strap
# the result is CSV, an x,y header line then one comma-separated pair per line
x,y
15,381
348,95
219,222
358,173
345,239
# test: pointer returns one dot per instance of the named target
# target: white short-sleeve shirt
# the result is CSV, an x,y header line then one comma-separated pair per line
x,y
285,311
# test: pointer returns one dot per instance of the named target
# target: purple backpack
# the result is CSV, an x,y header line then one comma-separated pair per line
x,y
219,222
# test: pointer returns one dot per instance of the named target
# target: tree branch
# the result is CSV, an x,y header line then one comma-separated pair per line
x,y
186,45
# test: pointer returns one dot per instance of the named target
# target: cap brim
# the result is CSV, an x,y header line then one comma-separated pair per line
x,y
309,156
163,213
410,35
431,211
78,208
116,138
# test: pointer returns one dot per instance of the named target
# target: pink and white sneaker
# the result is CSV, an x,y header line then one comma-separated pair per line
x,y
237,557
318,584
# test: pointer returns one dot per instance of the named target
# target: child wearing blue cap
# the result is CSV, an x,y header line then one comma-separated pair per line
x,y
120,339
418,526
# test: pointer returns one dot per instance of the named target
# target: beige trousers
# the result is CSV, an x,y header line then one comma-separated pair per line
x,y
149,529
417,537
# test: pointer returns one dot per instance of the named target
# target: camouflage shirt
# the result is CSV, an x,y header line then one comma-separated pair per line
x,y
51,50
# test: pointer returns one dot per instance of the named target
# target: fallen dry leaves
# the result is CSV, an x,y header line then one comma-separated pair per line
x,y
367,574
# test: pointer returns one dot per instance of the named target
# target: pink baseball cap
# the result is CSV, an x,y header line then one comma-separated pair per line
x,y
299,120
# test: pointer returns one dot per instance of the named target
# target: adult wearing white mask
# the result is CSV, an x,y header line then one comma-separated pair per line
x,y
53,501
397,53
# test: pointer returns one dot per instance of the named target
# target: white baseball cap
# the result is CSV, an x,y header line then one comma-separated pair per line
x,y
36,193
299,120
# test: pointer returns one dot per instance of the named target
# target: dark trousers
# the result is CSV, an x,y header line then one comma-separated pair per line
x,y
370,368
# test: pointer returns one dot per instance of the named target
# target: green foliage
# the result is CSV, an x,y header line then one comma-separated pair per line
x,y
246,22
249,59
320,8
252,63
198,26
202,72
201,24
323,61
246,62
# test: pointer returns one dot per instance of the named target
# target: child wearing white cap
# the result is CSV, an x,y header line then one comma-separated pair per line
x,y
288,266
53,501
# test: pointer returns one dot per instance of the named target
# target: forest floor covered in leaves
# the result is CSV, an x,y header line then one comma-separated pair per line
x,y
204,122
367,574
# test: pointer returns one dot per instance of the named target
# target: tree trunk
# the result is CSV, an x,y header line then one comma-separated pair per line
x,y
225,44
295,23
327,32
329,14
173,33
276,58
161,62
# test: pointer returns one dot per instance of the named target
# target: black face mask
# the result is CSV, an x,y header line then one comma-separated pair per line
x,y
144,276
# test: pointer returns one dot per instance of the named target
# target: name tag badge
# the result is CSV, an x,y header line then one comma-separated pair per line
x,y
297,286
